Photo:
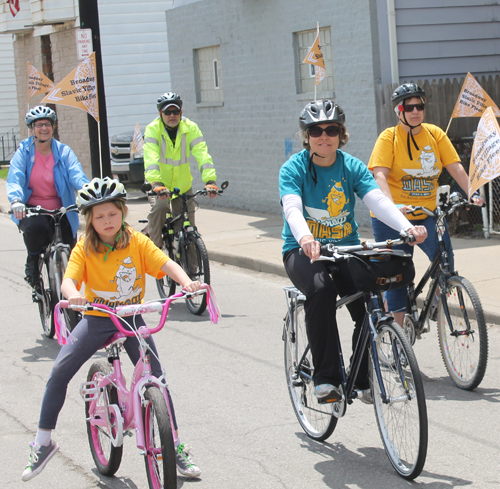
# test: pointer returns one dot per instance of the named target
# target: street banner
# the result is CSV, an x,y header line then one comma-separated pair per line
x,y
37,82
473,100
137,141
78,89
485,157
315,57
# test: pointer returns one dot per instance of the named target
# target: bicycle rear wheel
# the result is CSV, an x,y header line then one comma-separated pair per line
x,y
166,286
402,416
159,442
194,259
45,299
464,342
316,419
107,457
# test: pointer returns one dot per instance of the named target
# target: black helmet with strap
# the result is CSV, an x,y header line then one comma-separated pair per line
x,y
167,99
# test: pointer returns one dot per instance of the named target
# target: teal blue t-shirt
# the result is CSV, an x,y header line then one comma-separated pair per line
x,y
329,204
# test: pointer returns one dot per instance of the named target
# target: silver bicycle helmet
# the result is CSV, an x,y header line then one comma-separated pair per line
x,y
406,91
167,99
319,112
98,191
40,112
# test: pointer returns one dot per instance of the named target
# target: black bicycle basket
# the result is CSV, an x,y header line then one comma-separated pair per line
x,y
381,270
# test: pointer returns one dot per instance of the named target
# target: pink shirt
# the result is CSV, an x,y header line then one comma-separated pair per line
x,y
42,183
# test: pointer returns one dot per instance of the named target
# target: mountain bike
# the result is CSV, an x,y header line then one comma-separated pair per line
x,y
112,411
185,247
395,380
462,333
53,262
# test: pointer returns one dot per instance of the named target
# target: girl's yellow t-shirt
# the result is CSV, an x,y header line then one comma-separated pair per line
x,y
413,182
121,279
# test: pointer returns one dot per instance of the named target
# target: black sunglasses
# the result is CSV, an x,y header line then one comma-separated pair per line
x,y
170,112
331,131
410,107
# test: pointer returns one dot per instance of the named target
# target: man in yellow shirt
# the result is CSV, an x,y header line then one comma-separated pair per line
x,y
406,162
169,143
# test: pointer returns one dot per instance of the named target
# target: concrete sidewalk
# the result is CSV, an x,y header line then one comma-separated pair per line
x,y
253,241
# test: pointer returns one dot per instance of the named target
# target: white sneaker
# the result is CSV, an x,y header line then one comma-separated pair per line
x,y
329,391
184,463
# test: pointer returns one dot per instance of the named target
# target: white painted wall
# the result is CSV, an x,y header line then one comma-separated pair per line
x,y
8,94
135,60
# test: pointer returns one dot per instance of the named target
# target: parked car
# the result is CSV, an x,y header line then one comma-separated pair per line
x,y
127,168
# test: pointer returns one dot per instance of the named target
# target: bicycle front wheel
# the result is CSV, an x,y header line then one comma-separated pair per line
x,y
45,300
402,413
71,316
316,419
107,457
166,286
464,340
194,259
159,442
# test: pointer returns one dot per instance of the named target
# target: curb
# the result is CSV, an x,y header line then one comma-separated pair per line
x,y
247,263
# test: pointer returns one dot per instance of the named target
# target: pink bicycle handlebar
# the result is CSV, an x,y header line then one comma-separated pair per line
x,y
134,309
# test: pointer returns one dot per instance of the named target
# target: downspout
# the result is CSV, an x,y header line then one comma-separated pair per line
x,y
393,41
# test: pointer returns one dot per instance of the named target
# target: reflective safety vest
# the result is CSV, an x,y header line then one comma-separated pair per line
x,y
168,162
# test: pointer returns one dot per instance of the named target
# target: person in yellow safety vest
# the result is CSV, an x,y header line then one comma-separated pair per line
x,y
169,143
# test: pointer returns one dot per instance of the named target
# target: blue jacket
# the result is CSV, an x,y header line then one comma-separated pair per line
x,y
68,176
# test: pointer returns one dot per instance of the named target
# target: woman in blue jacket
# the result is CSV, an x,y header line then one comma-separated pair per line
x,y
43,172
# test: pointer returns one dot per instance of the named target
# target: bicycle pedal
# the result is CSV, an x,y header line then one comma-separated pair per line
x,y
89,391
297,383
329,399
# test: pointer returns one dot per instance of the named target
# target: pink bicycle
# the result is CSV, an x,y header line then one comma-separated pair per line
x,y
112,411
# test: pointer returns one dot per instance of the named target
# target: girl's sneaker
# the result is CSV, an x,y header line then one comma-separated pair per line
x,y
39,457
184,463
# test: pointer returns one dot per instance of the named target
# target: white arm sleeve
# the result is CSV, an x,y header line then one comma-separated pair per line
x,y
385,210
294,215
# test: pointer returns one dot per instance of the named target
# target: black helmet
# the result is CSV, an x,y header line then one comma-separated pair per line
x,y
319,112
167,99
405,91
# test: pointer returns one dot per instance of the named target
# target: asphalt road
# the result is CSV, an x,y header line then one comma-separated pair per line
x,y
231,400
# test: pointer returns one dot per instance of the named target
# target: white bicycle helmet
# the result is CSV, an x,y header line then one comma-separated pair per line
x,y
167,99
40,112
98,191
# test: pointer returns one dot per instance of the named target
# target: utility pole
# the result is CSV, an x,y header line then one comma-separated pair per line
x,y
89,19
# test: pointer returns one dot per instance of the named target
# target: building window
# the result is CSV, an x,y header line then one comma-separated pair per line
x,y
209,75
304,40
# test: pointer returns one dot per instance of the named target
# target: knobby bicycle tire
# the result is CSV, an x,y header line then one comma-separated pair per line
x,y
316,419
46,304
165,285
402,418
107,457
465,350
159,456
200,270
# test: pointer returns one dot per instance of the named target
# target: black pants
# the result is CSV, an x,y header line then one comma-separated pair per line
x,y
39,230
321,291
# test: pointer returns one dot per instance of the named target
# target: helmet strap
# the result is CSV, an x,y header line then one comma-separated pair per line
x,y
410,135
312,169
117,239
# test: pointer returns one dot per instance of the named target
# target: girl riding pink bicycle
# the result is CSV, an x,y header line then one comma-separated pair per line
x,y
112,260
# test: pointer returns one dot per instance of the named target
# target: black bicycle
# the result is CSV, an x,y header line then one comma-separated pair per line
x,y
462,333
395,380
53,262
185,247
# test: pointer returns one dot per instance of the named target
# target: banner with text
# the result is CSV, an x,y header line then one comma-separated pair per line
x,y
37,82
315,57
78,89
485,157
137,141
473,100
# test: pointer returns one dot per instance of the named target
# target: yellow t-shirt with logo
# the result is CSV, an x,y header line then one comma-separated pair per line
x,y
413,182
121,279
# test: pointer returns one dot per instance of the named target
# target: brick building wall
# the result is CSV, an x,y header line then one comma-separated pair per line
x,y
72,123
249,135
